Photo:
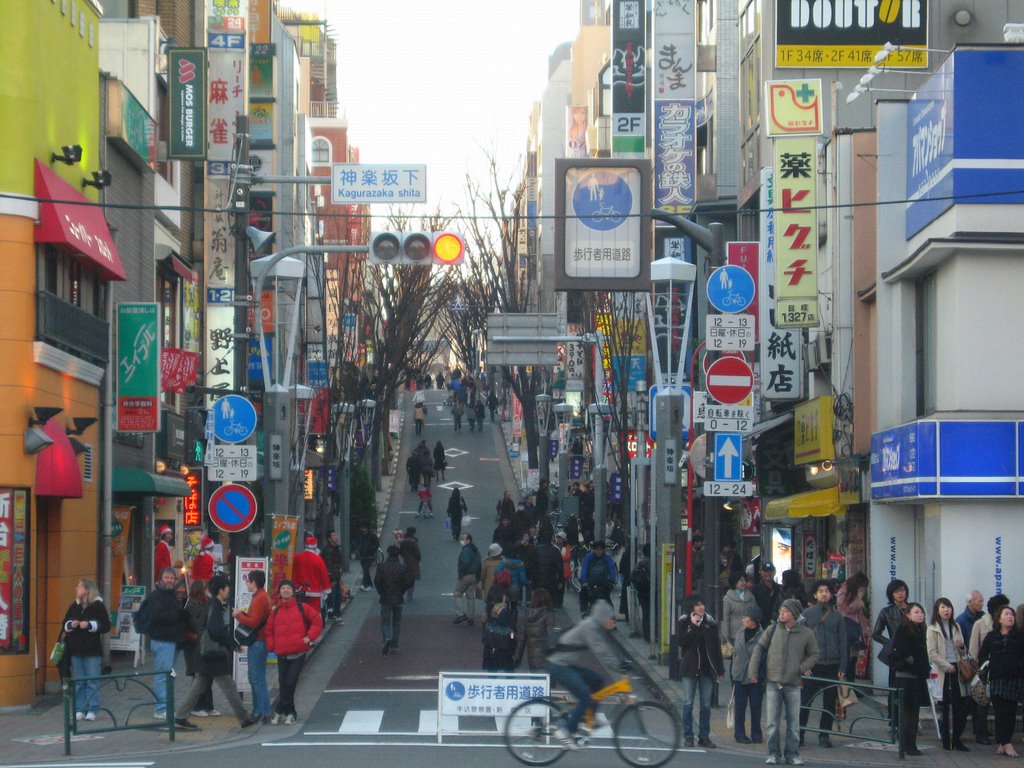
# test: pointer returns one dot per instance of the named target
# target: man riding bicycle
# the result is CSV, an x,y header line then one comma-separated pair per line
x,y
565,664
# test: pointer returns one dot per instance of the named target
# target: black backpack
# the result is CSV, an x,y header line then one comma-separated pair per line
x,y
598,575
640,578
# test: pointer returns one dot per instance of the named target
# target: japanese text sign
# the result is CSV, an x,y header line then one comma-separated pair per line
x,y
138,367
796,268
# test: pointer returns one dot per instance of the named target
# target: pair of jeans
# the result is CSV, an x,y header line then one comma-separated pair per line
x,y
704,685
783,699
580,682
164,653
745,694
464,596
87,694
391,623
258,678
288,671
826,702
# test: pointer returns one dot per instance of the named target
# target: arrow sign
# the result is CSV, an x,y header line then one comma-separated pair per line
x,y
728,450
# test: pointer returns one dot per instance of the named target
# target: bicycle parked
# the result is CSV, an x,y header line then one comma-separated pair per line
x,y
644,733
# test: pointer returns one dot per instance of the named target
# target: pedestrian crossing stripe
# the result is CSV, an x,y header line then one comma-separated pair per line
x,y
368,722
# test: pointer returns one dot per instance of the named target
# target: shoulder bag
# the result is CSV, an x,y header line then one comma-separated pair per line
x,y
966,667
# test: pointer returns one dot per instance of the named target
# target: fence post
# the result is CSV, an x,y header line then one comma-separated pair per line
x,y
65,692
169,687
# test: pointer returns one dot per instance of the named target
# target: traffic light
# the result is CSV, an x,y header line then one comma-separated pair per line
x,y
416,248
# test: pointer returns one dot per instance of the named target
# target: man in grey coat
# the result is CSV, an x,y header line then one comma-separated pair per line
x,y
792,653
829,630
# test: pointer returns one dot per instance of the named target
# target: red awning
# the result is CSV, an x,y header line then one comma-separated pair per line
x,y
82,228
57,470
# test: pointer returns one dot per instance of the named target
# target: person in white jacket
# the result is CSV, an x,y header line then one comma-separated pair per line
x,y
945,644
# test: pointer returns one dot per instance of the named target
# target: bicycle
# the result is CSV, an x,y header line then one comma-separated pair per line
x,y
645,733
578,553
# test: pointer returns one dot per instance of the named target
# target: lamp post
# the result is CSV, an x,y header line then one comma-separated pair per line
x,y
564,412
598,413
542,404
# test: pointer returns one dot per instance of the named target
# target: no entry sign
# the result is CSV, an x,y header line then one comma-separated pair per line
x,y
730,380
232,508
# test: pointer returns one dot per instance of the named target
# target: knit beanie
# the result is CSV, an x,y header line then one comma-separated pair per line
x,y
793,606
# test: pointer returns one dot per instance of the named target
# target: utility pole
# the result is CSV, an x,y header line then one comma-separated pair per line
x,y
240,206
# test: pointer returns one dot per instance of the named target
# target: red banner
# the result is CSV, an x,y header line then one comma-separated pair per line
x,y
177,369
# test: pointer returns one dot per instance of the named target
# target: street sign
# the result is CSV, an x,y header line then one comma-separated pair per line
x,y
730,289
366,184
739,490
234,419
728,418
232,462
730,333
232,508
728,456
687,392
730,380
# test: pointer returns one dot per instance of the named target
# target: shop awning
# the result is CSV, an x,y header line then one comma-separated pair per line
x,y
57,471
824,503
69,218
129,480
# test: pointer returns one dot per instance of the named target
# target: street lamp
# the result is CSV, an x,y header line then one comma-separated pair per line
x,y
599,413
563,412
542,403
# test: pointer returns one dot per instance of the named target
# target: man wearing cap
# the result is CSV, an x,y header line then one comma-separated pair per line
x,y
162,553
202,566
792,652
597,576
310,574
489,567
767,594
744,692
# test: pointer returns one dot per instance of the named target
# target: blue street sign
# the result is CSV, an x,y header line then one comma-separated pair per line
x,y
317,373
615,487
687,392
552,449
234,419
728,457
575,467
731,289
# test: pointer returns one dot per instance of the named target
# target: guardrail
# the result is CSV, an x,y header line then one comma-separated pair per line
x,y
875,714
121,719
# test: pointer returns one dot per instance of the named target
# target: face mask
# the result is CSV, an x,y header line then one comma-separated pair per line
x,y
463,542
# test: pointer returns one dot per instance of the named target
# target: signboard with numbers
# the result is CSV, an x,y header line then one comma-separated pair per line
x,y
353,183
796,263
628,73
730,333
232,462
138,367
735,489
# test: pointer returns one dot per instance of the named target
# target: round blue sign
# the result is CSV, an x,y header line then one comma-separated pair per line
x,y
602,200
455,690
731,289
234,419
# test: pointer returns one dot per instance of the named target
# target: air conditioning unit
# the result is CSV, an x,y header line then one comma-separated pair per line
x,y
818,352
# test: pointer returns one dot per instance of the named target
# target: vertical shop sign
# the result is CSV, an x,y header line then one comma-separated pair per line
x,y
628,70
282,549
186,103
138,367
227,99
796,235
14,570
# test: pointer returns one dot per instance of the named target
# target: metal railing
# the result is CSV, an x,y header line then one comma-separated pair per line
x,y
323,109
121,719
885,719
70,328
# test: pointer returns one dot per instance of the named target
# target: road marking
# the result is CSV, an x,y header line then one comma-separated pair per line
x,y
79,765
371,690
497,743
361,722
453,452
453,485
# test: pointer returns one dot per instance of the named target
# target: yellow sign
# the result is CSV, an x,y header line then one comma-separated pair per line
x,y
796,233
793,108
308,486
282,548
665,609
812,431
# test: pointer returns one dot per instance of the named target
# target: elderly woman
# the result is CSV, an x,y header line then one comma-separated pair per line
x,y
85,622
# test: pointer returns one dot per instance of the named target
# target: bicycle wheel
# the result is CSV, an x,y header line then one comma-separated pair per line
x,y
646,734
530,732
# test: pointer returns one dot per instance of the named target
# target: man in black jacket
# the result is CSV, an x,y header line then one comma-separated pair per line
x,y
391,581
767,594
368,545
701,649
331,555
549,572
167,620
469,567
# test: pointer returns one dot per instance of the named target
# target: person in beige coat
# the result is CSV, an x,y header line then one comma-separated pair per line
x,y
945,644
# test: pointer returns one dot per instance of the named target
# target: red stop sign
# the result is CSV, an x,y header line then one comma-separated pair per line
x,y
730,380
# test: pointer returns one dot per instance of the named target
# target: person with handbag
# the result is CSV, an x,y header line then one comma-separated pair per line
x,y
850,603
196,606
1003,649
255,617
951,662
85,623
499,636
889,620
216,645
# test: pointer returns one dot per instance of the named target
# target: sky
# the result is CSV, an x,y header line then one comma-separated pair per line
x,y
443,82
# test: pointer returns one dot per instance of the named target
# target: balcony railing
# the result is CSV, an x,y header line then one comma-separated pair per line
x,y
71,329
323,109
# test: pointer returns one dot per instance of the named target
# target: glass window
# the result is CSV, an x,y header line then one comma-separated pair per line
x,y
321,151
924,352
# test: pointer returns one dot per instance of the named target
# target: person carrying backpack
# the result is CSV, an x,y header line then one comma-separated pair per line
x,y
597,576
290,631
640,580
511,575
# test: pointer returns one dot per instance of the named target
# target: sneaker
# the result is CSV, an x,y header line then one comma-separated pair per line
x,y
794,760
772,760
184,725
688,742
248,721
275,719
159,715
706,743
825,741
469,622
289,720
743,740
200,713
214,713
566,739
79,715
90,715
460,619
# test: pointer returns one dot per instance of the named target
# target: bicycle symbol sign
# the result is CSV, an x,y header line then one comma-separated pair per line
x,y
731,289
234,419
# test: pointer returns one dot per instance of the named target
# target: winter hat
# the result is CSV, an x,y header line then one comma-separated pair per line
x,y
494,550
207,543
163,529
310,541
753,612
793,606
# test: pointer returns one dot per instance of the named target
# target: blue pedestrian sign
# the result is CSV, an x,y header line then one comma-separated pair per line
x,y
731,289
234,419
687,392
728,457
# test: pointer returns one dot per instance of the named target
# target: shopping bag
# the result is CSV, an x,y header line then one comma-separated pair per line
x,y
730,713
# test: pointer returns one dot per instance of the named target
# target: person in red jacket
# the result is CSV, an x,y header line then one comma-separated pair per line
x,y
256,617
202,566
162,553
310,576
290,631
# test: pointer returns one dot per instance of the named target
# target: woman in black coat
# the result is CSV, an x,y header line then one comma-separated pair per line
x,y
456,509
910,667
1003,649
85,623
499,635
440,461
888,621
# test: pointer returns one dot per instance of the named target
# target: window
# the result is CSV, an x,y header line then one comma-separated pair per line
x,y
925,342
67,278
321,151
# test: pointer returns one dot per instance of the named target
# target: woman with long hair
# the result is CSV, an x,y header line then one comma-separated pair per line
x,y
888,621
440,461
85,623
945,647
196,606
1003,649
910,670
456,510
850,603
